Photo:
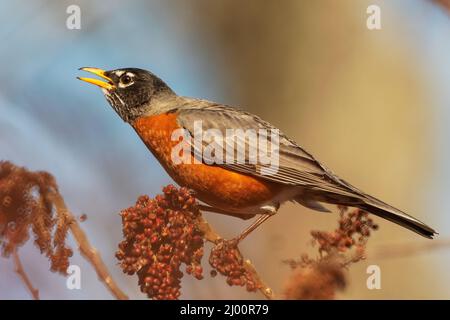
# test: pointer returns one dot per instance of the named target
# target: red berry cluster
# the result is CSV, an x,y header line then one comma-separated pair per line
x,y
161,234
318,281
321,277
354,230
227,260
26,203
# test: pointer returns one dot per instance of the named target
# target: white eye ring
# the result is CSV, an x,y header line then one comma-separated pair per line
x,y
126,80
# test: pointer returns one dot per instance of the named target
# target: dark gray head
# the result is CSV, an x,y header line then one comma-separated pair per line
x,y
129,90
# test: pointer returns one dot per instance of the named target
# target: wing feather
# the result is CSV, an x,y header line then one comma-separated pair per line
x,y
296,166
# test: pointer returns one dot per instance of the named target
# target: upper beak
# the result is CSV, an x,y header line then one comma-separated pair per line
x,y
101,73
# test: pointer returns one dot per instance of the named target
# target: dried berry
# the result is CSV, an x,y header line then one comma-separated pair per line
x,y
25,204
226,259
160,235
353,230
320,278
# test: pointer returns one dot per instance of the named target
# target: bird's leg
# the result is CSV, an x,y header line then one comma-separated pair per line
x,y
268,212
252,227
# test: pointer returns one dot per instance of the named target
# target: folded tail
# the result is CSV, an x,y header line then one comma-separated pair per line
x,y
392,214
371,205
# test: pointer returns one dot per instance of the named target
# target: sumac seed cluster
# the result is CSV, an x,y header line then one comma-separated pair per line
x,y
160,235
226,259
354,229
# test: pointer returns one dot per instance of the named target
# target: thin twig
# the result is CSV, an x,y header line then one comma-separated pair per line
x,y
23,275
212,236
263,287
444,3
408,249
87,250
209,233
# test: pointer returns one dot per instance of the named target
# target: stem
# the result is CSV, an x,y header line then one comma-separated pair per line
x,y
87,250
23,275
408,249
212,236
444,3
263,287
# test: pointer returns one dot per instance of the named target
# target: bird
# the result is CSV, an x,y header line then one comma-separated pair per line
x,y
236,188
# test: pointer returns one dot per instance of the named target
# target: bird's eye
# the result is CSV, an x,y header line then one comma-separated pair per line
x,y
125,79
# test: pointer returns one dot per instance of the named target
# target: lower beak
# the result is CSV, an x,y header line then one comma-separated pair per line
x,y
108,85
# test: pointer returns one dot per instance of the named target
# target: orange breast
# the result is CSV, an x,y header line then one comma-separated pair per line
x,y
214,185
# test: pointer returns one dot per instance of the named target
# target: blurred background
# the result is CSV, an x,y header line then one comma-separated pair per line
x,y
374,106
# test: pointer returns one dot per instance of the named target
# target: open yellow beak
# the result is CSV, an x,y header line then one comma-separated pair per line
x,y
101,73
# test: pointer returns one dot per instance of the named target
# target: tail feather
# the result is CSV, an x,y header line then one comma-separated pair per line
x,y
378,208
392,214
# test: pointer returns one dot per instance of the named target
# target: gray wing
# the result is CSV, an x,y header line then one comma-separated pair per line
x,y
296,166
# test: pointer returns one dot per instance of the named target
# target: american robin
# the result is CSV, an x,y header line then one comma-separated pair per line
x,y
239,189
